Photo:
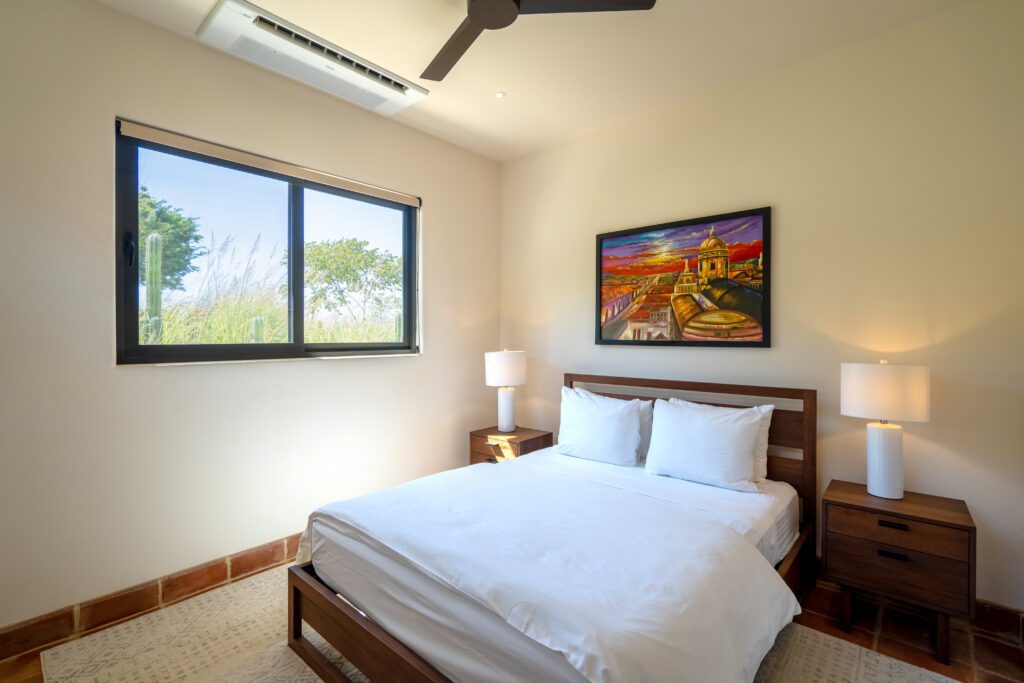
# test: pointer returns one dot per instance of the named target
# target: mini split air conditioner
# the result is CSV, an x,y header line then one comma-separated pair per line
x,y
249,32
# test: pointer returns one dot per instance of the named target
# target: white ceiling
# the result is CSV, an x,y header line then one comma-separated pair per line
x,y
571,74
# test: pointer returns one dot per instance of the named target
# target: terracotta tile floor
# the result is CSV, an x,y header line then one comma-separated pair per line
x,y
975,656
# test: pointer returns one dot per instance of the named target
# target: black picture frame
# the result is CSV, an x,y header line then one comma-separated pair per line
x,y
753,282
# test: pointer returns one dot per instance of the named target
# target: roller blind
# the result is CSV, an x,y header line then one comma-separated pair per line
x,y
164,137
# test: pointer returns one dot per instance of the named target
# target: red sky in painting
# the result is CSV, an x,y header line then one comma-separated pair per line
x,y
650,264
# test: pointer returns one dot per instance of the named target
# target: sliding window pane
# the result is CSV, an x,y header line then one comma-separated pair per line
x,y
212,253
353,270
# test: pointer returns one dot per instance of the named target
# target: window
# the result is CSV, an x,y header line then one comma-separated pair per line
x,y
353,269
224,255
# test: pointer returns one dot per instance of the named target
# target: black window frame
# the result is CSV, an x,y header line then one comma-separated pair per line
x,y
131,352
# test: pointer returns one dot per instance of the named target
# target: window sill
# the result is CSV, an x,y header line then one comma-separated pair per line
x,y
154,363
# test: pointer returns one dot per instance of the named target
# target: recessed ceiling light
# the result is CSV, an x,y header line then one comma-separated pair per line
x,y
500,94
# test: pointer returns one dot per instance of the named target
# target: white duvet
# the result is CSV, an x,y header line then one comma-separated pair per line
x,y
628,581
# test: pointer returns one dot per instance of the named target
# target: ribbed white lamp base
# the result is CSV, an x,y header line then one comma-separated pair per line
x,y
506,409
885,460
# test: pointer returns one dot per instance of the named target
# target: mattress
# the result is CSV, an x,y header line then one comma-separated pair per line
x,y
469,642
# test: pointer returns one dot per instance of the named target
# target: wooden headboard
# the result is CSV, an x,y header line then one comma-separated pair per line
x,y
791,429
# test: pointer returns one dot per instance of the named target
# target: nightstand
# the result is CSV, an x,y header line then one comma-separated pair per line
x,y
919,550
490,445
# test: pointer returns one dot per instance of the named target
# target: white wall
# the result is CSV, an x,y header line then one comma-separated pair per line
x,y
114,475
895,169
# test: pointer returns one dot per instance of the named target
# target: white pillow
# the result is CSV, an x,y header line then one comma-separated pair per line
x,y
760,446
646,425
599,428
708,447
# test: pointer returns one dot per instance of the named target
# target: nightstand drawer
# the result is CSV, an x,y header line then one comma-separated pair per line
x,y
477,458
898,531
928,580
490,445
491,450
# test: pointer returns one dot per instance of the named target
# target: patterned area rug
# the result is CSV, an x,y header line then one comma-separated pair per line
x,y
237,633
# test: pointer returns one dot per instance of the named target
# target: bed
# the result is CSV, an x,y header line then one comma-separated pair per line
x,y
492,576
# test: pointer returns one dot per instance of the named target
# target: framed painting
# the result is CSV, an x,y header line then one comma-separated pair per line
x,y
695,282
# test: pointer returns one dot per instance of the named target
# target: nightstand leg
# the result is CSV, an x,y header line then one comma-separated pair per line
x,y
942,638
846,608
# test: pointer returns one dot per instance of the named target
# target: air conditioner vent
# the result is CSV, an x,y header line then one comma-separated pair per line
x,y
246,31
320,49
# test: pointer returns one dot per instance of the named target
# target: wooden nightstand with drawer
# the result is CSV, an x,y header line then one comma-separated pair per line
x,y
490,445
919,549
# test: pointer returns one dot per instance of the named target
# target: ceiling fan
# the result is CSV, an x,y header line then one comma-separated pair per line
x,y
495,14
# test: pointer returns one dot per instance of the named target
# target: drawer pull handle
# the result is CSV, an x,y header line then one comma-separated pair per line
x,y
893,525
894,556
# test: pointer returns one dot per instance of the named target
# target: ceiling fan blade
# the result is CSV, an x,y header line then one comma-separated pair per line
x,y
557,6
452,51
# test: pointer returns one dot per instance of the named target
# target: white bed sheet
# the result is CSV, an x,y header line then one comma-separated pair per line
x,y
465,641
468,641
770,518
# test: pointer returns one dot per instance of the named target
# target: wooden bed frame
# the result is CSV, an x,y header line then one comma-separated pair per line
x,y
382,657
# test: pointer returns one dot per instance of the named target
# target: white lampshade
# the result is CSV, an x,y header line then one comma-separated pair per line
x,y
505,368
879,391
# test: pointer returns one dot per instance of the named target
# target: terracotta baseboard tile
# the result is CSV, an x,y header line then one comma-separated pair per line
x,y
192,581
93,615
119,605
1001,622
291,546
28,635
255,559
24,667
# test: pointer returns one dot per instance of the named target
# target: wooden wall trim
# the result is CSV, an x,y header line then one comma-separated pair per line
x,y
105,611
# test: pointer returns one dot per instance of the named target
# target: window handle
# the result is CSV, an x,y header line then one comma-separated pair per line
x,y
893,525
129,249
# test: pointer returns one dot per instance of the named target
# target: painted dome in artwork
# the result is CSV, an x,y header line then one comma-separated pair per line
x,y
712,243
722,325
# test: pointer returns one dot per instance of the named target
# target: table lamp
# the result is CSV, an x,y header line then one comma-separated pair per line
x,y
885,392
505,370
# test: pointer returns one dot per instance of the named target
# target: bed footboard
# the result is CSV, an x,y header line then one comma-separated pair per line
x,y
371,649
